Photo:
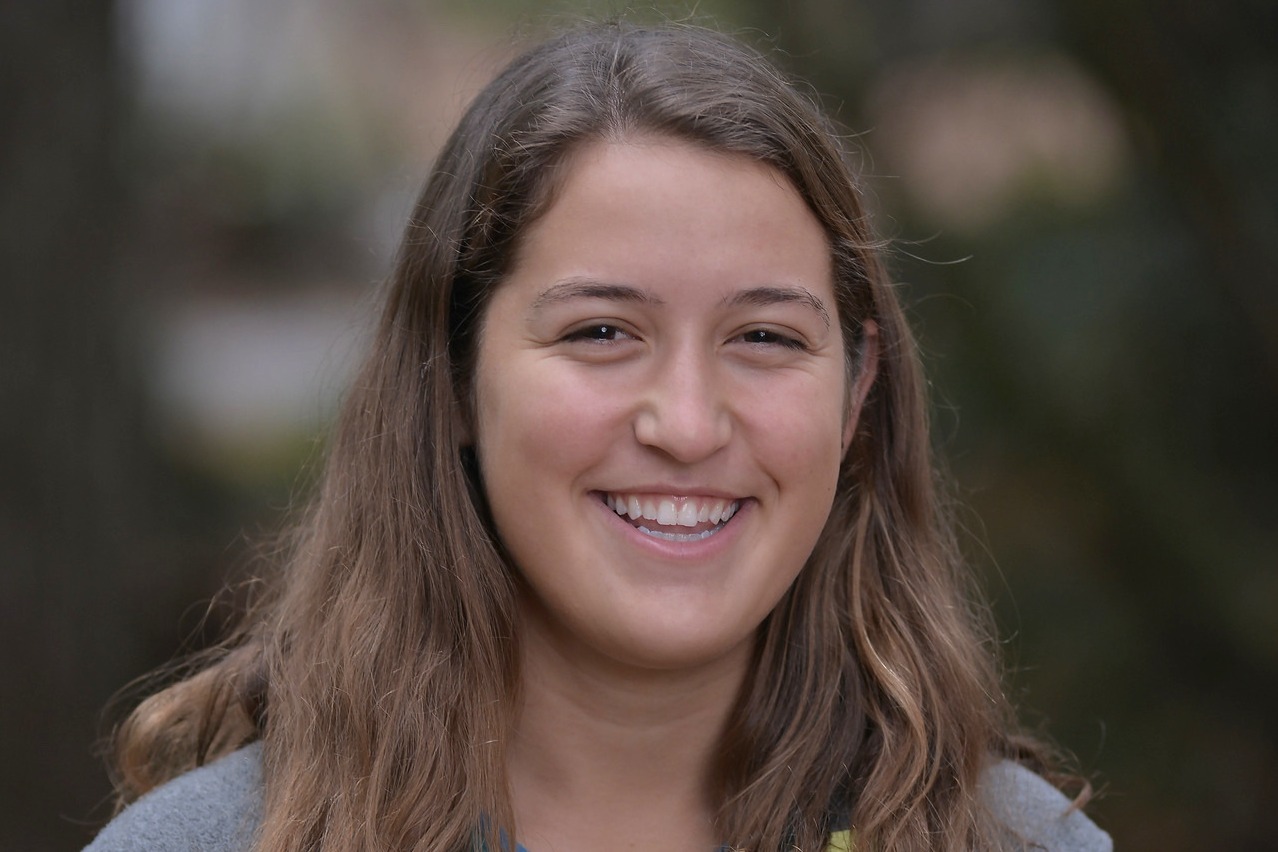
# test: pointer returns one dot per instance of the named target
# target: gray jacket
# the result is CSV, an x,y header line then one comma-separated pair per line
x,y
217,808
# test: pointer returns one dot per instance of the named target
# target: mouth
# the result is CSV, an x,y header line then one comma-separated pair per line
x,y
672,518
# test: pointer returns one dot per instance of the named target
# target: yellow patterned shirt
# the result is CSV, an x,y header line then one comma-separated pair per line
x,y
840,841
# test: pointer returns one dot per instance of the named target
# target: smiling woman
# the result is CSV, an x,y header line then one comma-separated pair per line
x,y
675,388
628,534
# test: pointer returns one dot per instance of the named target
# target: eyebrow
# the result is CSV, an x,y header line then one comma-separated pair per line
x,y
585,288
780,295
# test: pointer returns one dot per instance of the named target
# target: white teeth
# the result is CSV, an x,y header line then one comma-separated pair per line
x,y
649,510
672,511
704,534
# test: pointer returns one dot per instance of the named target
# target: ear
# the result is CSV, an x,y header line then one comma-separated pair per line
x,y
466,454
466,440
864,379
461,424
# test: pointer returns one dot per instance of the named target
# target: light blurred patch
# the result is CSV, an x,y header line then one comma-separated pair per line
x,y
972,138
242,387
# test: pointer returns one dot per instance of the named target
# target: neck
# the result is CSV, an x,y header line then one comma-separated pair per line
x,y
606,754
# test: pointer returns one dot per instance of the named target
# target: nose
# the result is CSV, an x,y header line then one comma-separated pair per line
x,y
683,410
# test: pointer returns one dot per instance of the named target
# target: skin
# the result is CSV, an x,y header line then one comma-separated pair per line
x,y
668,332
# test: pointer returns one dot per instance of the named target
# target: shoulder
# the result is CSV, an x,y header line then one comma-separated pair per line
x,y
1037,813
216,807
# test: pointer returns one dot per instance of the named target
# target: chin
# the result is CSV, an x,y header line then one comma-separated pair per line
x,y
675,651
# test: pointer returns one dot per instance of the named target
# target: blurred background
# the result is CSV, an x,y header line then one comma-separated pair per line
x,y
200,197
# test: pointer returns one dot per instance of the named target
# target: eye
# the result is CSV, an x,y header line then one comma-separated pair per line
x,y
597,332
771,337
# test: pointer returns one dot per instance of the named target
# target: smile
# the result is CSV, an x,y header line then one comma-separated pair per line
x,y
683,518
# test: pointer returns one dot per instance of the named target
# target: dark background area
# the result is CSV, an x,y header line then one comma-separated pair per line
x,y
198,200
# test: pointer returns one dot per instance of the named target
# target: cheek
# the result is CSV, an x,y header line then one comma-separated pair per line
x,y
802,428
532,422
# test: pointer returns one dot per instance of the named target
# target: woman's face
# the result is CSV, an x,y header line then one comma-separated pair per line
x,y
660,403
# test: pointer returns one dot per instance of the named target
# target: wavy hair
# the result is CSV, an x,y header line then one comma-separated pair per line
x,y
380,667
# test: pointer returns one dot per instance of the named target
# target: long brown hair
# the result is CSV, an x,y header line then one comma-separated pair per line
x,y
380,668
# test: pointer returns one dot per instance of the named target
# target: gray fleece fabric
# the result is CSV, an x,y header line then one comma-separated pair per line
x,y
217,808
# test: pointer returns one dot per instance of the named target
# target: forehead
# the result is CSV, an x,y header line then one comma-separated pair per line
x,y
658,209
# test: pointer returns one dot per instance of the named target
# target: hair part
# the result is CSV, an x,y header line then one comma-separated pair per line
x,y
381,671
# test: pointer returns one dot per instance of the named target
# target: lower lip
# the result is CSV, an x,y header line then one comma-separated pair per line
x,y
693,549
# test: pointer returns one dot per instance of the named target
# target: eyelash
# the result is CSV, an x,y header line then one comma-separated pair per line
x,y
604,332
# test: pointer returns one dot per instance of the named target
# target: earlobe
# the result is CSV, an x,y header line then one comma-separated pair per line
x,y
864,380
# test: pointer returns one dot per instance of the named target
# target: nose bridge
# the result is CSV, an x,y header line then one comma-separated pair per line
x,y
683,412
